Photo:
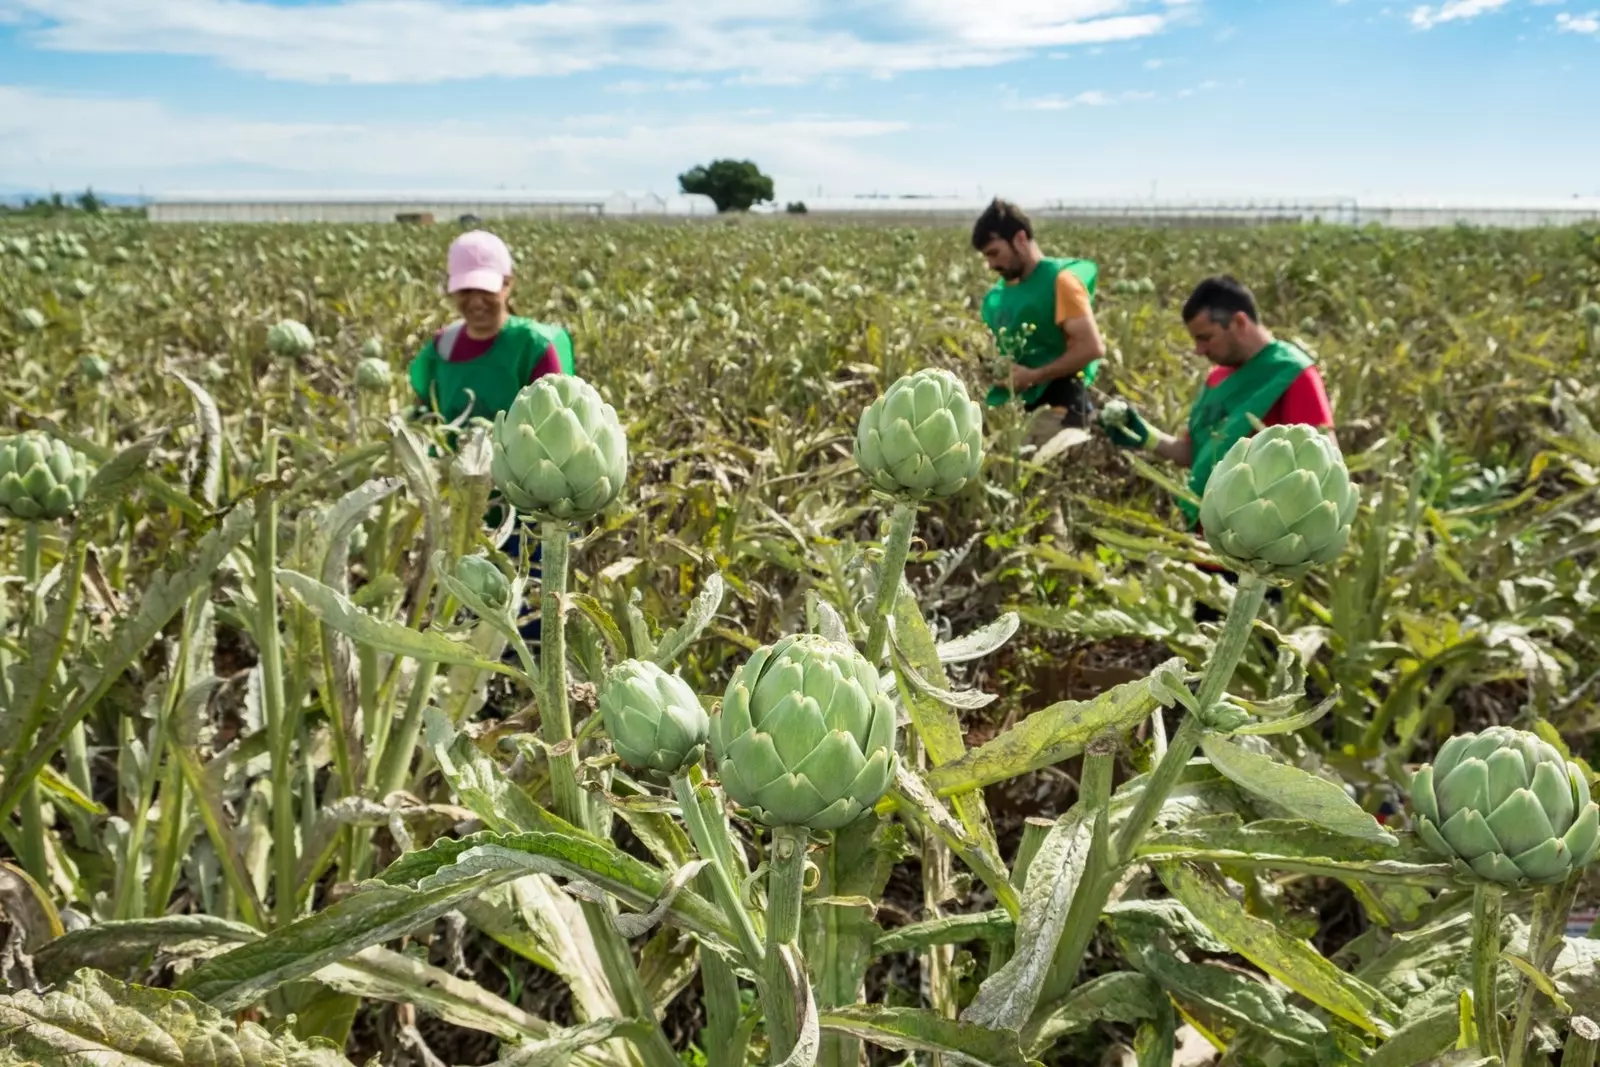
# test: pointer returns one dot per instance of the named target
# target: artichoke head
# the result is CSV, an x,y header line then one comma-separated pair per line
x,y
486,581
923,438
372,349
1280,502
804,736
559,451
372,374
1591,314
1504,805
94,368
41,478
655,720
290,339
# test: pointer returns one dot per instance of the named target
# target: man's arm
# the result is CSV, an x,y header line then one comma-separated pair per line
x,y
1179,450
1084,344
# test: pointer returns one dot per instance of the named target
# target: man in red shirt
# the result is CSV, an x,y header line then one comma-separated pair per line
x,y
1254,376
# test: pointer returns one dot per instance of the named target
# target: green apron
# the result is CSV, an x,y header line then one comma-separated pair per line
x,y
1032,301
1222,413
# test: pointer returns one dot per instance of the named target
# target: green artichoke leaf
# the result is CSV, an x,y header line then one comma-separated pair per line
x,y
701,611
984,641
1241,1000
1291,960
924,1030
1309,796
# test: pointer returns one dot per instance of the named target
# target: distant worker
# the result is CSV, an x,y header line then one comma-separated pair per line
x,y
1041,312
1254,375
475,366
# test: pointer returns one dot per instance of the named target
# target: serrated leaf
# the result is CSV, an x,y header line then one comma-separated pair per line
x,y
95,1021
912,793
1141,921
596,613
339,612
33,675
830,624
1291,960
1314,799
1119,997
921,1030
117,947
1007,997
1419,1041
1241,1000
567,854
340,520
209,474
370,916
962,700
938,727
1048,736
980,642
1288,724
558,1047
991,926
111,480
701,612
420,476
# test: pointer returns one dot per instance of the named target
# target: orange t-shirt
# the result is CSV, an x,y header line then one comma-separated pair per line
x,y
1072,298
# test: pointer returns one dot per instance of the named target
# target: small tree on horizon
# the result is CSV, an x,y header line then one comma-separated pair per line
x,y
732,184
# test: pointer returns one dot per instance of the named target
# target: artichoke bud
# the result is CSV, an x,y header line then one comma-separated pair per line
x,y
655,720
1115,413
805,737
1280,502
1224,717
923,438
559,450
485,580
41,478
290,339
372,374
93,367
372,349
1591,314
1505,806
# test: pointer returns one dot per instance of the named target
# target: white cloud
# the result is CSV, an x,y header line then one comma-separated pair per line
x,y
1088,98
66,141
1427,16
1589,23
421,41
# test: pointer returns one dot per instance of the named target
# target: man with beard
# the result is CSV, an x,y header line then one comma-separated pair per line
x,y
1254,377
1041,312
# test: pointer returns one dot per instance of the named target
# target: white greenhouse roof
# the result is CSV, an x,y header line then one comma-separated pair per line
x,y
348,196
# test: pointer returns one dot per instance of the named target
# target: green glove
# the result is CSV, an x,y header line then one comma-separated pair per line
x,y
1124,426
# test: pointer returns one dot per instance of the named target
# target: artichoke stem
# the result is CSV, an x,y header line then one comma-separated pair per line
x,y
902,522
1582,1037
1485,960
1545,930
555,716
1219,672
33,846
1094,794
785,881
718,874
279,731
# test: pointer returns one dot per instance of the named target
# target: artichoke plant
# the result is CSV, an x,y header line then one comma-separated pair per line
x,y
559,450
41,478
922,438
1506,805
805,737
655,720
290,339
485,580
372,374
1280,502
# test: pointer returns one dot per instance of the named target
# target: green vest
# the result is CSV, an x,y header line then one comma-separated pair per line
x,y
1222,413
490,382
1032,301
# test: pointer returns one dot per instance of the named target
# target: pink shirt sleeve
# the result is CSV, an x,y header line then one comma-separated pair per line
x,y
549,363
1305,401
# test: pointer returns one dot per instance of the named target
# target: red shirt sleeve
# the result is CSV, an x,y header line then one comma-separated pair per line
x,y
549,363
1305,401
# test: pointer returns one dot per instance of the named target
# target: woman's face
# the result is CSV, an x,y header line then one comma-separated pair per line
x,y
482,309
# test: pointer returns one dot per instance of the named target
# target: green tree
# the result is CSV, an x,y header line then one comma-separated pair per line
x,y
732,184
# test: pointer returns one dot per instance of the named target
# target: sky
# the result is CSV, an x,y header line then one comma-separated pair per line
x,y
1106,99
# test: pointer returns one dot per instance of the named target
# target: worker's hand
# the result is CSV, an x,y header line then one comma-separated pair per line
x,y
1123,424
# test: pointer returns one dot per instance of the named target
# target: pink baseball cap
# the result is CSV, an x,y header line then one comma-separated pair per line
x,y
479,260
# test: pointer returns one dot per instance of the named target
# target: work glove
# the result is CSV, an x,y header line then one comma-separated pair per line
x,y
1122,423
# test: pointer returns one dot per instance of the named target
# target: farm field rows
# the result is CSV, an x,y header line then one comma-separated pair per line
x,y
268,743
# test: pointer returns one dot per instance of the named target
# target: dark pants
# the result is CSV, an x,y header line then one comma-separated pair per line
x,y
1070,395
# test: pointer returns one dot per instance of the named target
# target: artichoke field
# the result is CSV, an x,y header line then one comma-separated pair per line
x,y
851,731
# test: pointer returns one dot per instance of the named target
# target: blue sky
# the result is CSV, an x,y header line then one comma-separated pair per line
x,y
1457,99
